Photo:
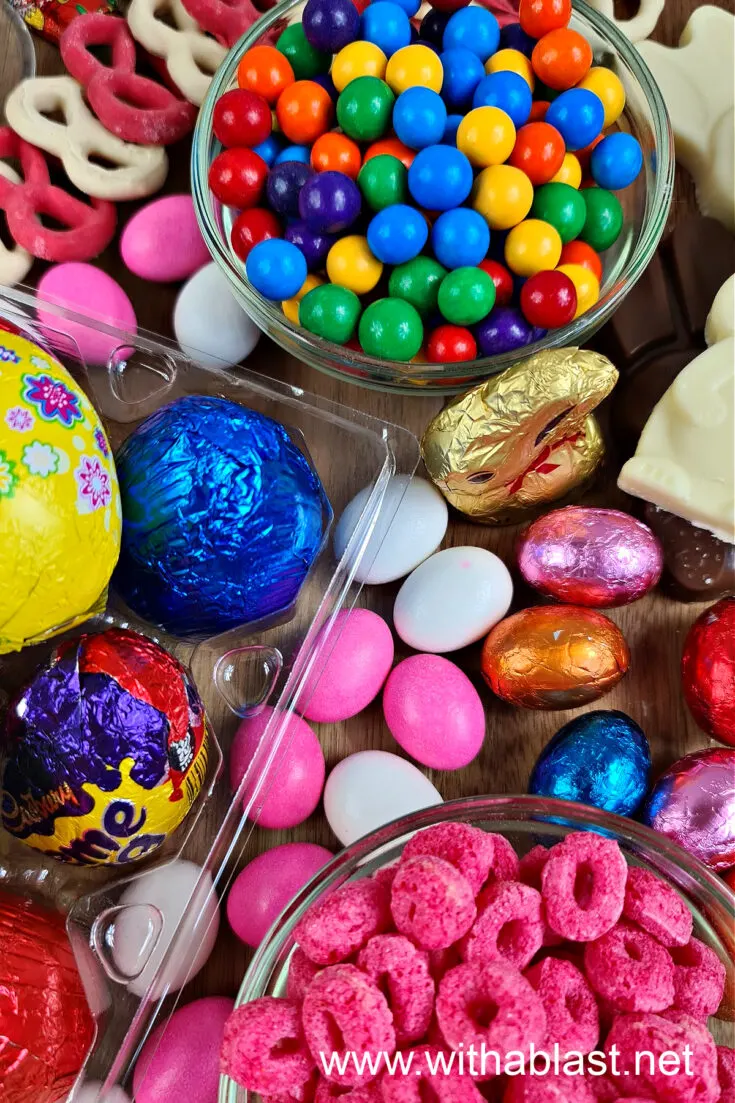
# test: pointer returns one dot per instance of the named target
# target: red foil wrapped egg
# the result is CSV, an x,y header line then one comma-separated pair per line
x,y
46,1029
592,557
708,671
554,657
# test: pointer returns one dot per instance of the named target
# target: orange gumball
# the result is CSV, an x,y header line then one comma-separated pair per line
x,y
304,111
538,17
538,111
562,58
579,252
539,152
265,70
393,148
336,153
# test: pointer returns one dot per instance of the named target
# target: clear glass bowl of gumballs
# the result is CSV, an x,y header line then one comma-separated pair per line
x,y
417,197
514,925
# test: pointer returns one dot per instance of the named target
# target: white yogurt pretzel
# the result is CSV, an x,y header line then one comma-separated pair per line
x,y
15,264
184,48
138,170
641,25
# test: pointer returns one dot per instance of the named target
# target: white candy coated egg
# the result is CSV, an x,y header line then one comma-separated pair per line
x,y
404,535
162,241
90,1093
369,789
452,599
168,891
210,325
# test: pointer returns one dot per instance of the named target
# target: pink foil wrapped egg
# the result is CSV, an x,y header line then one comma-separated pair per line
x,y
587,556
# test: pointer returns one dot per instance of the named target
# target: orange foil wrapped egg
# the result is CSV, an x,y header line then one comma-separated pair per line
x,y
554,657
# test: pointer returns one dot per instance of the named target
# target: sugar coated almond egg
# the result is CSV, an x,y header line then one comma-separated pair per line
x,y
368,789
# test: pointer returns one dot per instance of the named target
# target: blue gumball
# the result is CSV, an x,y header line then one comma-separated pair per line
x,y
397,234
294,153
508,91
276,268
578,115
460,238
440,178
449,137
409,6
474,29
463,71
269,149
386,25
419,116
616,161
513,37
601,758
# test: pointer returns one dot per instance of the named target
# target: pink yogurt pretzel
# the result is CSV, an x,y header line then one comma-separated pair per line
x,y
227,20
630,969
127,104
510,925
552,1088
336,927
491,1004
583,886
420,1085
699,979
253,1035
657,908
672,1031
572,1018
345,1013
726,1073
301,972
467,848
431,902
89,228
401,971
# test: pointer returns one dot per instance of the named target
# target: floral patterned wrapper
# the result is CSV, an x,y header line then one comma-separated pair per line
x,y
50,18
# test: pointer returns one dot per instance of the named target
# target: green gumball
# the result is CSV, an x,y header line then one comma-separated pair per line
x,y
563,207
604,218
391,329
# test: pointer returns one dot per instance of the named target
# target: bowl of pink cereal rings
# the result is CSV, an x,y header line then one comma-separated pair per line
x,y
494,950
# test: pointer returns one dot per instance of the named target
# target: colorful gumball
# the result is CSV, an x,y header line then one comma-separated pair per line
x,y
293,153
418,282
251,227
562,58
440,178
586,285
397,234
419,116
329,202
446,7
269,149
330,312
304,111
504,330
578,115
486,136
330,24
460,238
414,65
237,177
391,329
241,118
290,307
538,151
466,296
503,196
386,25
383,181
284,185
451,127
472,28
538,111
359,59
433,25
512,61
549,300
463,72
579,252
276,269
609,88
563,207
392,148
314,244
306,61
451,345
570,172
604,218
364,108
507,90
336,153
616,161
351,264
513,37
532,246
502,279
265,71
538,17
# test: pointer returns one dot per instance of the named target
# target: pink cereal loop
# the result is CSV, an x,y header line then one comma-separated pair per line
x,y
227,20
327,1092
583,886
552,1088
671,1031
445,1086
467,848
532,865
657,908
726,1073
343,922
431,902
301,972
401,971
573,1021
510,925
699,979
252,1036
630,970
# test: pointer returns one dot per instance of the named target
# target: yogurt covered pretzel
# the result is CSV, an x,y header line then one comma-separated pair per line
x,y
191,57
137,170
227,20
15,264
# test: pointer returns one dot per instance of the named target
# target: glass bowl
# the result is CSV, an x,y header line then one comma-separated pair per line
x,y
525,822
645,203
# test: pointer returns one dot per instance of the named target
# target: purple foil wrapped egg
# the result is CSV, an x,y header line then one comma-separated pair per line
x,y
593,557
693,803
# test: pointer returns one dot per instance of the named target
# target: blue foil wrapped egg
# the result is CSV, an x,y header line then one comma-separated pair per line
x,y
223,517
602,759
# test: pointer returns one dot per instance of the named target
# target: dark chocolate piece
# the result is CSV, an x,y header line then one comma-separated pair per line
x,y
697,566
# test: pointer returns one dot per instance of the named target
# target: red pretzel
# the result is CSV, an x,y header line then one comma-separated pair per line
x,y
130,106
227,20
91,227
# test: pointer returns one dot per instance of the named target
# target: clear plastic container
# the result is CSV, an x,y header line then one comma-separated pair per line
x,y
236,673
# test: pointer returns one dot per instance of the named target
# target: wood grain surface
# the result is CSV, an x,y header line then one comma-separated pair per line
x,y
655,627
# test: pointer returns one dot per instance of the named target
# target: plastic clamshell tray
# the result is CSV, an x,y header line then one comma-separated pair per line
x,y
236,673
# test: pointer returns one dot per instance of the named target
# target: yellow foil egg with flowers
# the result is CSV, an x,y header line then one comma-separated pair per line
x,y
60,513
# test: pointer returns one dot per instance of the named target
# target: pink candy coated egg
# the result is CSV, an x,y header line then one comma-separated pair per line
x,y
434,712
88,290
295,778
162,241
356,667
267,884
180,1060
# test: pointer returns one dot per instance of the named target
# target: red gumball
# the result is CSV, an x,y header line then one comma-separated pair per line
x,y
237,177
539,152
502,279
708,671
251,227
46,1029
538,17
241,118
549,300
451,345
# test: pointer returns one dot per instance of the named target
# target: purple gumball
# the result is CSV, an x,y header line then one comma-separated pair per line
x,y
504,330
329,202
329,25
284,185
313,244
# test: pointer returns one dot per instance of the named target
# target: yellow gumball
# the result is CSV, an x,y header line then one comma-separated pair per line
x,y
486,136
609,88
290,307
531,247
503,195
351,264
512,61
358,59
414,66
60,514
569,173
586,284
